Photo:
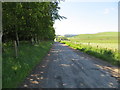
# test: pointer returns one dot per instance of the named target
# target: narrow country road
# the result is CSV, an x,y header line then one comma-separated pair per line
x,y
65,68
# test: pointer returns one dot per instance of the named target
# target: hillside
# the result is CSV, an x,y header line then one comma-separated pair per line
x,y
98,37
70,35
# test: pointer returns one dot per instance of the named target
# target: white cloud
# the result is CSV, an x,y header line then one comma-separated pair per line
x,y
113,9
106,11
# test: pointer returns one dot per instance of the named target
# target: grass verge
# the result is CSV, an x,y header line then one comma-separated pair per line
x,y
110,56
15,70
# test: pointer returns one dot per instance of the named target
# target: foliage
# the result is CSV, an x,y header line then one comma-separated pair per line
x,y
59,38
29,20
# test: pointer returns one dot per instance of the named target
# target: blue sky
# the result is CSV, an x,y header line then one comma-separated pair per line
x,y
87,17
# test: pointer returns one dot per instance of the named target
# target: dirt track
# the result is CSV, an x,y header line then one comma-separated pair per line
x,y
64,67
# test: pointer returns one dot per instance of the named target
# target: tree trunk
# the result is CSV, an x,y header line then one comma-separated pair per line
x,y
16,49
17,38
32,41
36,39
39,40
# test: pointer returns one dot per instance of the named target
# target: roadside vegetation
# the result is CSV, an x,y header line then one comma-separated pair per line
x,y
58,38
14,69
101,45
28,33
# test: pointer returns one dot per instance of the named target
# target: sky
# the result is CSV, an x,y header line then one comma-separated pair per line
x,y
87,17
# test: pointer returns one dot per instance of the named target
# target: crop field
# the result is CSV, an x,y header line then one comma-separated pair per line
x,y
107,40
111,46
102,45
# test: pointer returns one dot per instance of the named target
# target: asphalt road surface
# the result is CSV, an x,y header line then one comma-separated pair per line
x,y
65,68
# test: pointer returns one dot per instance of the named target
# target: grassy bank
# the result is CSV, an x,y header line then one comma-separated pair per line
x,y
101,45
102,53
14,69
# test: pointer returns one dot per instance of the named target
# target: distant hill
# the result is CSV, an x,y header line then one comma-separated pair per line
x,y
103,36
70,35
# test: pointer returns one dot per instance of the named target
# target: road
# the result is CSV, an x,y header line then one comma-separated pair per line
x,y
65,68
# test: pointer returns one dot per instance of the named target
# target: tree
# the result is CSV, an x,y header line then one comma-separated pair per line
x,y
29,21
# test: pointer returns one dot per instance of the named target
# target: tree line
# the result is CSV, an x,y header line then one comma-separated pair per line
x,y
29,21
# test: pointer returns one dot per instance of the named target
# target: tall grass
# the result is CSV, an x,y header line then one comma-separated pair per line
x,y
15,70
108,55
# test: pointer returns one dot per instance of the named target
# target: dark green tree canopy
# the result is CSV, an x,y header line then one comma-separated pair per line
x,y
29,20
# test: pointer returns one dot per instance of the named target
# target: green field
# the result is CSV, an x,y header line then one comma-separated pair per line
x,y
102,45
107,40
15,70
